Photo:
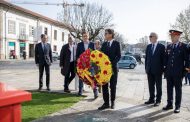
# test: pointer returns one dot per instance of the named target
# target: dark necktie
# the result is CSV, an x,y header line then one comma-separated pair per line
x,y
174,46
152,49
45,49
108,44
108,49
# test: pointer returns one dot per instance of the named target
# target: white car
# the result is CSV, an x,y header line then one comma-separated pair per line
x,y
55,56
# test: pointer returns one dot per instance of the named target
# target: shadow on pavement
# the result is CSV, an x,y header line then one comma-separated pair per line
x,y
122,115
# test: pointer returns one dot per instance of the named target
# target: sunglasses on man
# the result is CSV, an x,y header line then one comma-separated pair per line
x,y
151,36
106,33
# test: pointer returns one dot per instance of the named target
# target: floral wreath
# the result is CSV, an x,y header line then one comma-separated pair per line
x,y
94,67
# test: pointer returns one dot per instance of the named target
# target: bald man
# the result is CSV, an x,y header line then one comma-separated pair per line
x,y
154,66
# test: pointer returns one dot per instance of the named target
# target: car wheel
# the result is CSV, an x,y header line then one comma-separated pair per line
x,y
132,66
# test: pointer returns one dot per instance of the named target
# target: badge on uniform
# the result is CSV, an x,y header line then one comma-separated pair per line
x,y
168,51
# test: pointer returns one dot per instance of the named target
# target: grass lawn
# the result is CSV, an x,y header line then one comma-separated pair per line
x,y
46,103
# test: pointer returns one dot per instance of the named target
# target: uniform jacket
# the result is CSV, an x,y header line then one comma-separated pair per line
x,y
176,60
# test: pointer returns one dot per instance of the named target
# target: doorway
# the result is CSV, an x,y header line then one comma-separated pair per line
x,y
31,50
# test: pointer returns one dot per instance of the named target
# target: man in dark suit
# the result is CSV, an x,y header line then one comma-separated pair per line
x,y
112,49
67,63
176,63
154,66
43,59
81,47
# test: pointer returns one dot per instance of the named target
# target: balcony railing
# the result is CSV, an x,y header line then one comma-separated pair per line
x,y
23,37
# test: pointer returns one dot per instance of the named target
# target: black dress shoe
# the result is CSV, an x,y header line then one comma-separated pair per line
x,y
149,102
112,105
48,89
79,94
95,96
177,110
67,91
40,88
104,106
156,104
168,107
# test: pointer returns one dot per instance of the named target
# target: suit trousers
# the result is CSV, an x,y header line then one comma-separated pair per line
x,y
70,75
112,83
41,71
155,80
81,85
174,82
187,78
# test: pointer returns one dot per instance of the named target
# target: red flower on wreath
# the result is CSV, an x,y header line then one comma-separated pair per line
x,y
93,56
98,76
107,63
87,52
100,55
105,72
89,67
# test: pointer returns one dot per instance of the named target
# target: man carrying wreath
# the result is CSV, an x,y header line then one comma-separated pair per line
x,y
112,49
82,47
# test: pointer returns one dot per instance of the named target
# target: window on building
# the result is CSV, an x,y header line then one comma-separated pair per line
x,y
46,31
22,29
54,48
11,27
55,34
63,36
31,31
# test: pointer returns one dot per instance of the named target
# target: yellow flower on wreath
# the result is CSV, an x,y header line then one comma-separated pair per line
x,y
104,63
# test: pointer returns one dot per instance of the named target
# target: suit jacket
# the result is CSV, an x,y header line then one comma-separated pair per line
x,y
65,57
42,57
154,63
81,48
113,52
176,60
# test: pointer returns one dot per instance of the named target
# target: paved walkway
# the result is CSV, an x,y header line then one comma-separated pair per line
x,y
132,91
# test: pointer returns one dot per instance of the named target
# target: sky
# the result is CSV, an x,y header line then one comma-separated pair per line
x,y
132,18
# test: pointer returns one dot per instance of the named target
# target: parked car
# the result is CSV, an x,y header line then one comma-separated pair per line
x,y
127,61
55,56
136,56
143,56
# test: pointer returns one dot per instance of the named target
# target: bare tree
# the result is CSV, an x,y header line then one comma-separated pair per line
x,y
183,23
143,42
120,38
92,17
101,36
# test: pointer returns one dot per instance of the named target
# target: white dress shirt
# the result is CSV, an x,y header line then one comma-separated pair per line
x,y
71,48
176,44
86,45
43,45
111,42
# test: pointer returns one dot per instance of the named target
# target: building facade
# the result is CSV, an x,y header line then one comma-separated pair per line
x,y
20,31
